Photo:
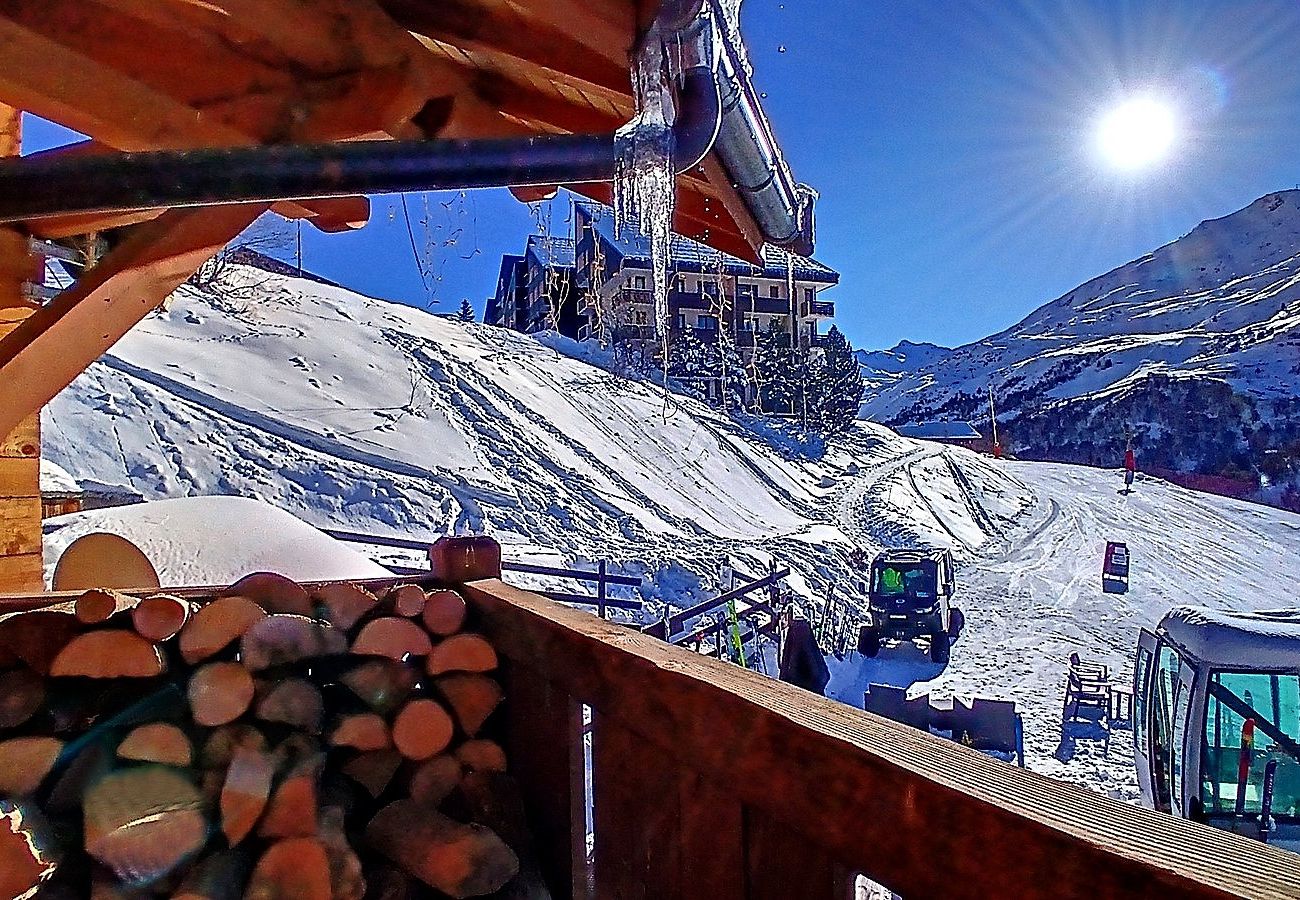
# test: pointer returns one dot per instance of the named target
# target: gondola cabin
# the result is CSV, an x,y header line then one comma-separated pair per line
x,y
1217,707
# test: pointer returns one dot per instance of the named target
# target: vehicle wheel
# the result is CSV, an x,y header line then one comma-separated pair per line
x,y
868,642
956,622
939,648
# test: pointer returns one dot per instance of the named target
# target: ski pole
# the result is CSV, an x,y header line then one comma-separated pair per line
x,y
1243,763
1266,799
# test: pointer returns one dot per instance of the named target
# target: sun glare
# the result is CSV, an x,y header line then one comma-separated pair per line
x,y
1137,134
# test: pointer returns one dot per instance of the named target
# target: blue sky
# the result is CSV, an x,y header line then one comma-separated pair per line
x,y
953,145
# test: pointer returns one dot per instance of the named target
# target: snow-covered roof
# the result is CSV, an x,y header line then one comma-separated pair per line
x,y
56,480
689,255
1237,640
553,252
216,540
932,431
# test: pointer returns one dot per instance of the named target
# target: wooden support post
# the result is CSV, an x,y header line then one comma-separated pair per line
x,y
20,446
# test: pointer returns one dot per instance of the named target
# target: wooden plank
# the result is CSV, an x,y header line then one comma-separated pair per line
x,y
20,525
544,746
781,862
712,839
882,798
19,476
21,572
636,815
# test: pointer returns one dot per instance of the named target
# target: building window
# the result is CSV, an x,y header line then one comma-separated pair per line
x,y
638,282
808,294
748,323
641,317
747,291
708,323
774,292
709,289
681,321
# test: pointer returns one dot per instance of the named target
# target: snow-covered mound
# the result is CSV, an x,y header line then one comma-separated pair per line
x,y
1212,319
214,540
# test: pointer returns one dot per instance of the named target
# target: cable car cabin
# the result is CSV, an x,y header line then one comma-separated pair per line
x,y
1217,707
1114,569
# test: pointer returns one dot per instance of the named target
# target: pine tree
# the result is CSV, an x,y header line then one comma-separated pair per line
x,y
466,313
833,385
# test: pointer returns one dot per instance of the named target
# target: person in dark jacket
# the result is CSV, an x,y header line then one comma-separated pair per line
x,y
801,661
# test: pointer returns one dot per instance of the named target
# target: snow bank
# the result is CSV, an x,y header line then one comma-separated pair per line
x,y
214,540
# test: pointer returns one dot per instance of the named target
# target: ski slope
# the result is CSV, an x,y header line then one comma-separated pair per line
x,y
366,415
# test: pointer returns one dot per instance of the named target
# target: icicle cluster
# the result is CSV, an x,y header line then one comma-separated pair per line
x,y
645,185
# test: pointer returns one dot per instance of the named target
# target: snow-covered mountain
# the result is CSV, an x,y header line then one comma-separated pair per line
x,y
881,368
372,416
1212,319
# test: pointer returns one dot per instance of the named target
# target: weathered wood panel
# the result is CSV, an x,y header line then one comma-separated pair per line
x,y
635,800
544,746
781,862
925,816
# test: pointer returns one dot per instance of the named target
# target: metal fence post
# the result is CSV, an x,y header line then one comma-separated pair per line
x,y
600,589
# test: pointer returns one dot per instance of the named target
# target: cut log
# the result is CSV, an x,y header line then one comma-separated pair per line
x,y
24,763
25,857
157,742
361,731
459,860
294,869
406,600
224,741
472,699
282,639
38,637
494,799
274,593
382,684
160,617
219,693
100,604
393,638
245,792
342,604
293,806
346,879
220,876
294,701
422,730
373,770
435,779
462,653
110,653
143,823
444,612
89,765
21,694
215,626
480,755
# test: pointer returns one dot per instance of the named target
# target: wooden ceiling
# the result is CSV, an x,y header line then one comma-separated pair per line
x,y
169,74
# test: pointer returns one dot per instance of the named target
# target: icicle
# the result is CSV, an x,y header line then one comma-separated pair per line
x,y
645,185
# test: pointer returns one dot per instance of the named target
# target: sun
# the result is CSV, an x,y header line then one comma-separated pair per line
x,y
1137,134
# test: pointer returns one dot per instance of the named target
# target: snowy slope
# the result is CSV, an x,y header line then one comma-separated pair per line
x,y
1222,302
362,414
358,413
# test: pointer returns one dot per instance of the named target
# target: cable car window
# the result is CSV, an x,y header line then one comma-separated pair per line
x,y
1165,757
1273,702
1140,706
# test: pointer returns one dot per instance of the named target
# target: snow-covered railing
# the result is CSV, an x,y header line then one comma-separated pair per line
x,y
709,780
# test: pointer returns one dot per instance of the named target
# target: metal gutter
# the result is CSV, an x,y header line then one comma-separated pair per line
x,y
717,109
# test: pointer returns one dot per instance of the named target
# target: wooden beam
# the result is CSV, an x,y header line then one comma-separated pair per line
x,y
502,30
58,341
20,440
875,796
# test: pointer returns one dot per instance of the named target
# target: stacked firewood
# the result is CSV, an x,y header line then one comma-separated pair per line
x,y
266,744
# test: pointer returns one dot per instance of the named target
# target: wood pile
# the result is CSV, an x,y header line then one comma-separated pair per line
x,y
269,743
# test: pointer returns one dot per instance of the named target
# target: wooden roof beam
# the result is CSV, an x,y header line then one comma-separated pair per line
x,y
58,341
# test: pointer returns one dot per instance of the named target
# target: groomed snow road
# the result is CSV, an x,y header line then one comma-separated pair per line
x,y
1032,592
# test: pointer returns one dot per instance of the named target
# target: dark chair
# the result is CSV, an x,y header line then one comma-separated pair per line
x,y
998,728
1087,685
892,703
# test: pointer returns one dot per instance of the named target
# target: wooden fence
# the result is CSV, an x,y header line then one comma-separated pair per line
x,y
711,781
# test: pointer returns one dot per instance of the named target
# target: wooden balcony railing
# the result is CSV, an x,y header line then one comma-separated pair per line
x,y
711,781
